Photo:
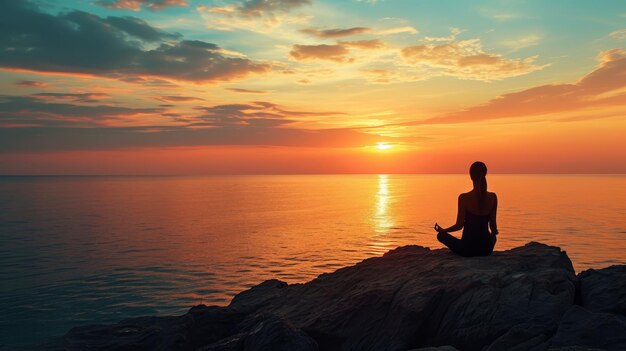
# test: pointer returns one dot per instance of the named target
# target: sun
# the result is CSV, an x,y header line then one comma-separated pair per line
x,y
383,146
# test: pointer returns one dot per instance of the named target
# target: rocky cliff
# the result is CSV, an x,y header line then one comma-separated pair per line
x,y
526,298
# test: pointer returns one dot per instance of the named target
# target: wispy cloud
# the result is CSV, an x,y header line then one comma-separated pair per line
x,y
29,124
522,42
603,88
176,98
248,91
466,59
336,53
335,32
136,5
79,97
618,34
42,111
397,30
254,15
364,44
453,33
31,84
106,138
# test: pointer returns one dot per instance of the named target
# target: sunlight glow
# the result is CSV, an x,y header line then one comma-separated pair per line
x,y
383,146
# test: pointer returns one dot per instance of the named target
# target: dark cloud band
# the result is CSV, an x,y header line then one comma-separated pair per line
x,y
84,43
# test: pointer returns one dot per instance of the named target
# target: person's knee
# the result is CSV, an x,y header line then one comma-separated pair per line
x,y
441,237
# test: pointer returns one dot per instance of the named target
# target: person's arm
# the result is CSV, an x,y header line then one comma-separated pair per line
x,y
460,217
492,220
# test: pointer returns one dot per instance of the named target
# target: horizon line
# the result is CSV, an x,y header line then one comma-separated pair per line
x,y
292,174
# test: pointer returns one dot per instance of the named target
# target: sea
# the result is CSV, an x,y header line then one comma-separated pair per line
x,y
78,250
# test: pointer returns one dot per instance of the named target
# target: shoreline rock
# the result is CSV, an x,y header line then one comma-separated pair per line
x,y
411,298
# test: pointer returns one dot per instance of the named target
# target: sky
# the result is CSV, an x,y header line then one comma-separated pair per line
x,y
312,86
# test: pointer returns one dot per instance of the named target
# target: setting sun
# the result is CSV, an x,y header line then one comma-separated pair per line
x,y
383,146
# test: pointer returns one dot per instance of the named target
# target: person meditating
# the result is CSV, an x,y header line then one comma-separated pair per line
x,y
476,215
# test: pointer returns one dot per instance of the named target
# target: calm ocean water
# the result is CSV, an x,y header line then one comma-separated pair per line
x,y
79,250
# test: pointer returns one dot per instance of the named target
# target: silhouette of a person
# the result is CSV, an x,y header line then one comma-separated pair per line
x,y
476,215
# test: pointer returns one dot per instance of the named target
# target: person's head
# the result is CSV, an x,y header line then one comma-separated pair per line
x,y
478,173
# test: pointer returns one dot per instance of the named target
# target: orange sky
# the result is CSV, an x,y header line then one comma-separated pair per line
x,y
312,86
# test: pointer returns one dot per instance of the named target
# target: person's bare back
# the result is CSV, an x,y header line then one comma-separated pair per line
x,y
472,203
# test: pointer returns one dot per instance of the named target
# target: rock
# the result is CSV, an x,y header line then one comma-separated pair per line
x,y
413,296
583,328
200,326
266,333
410,298
257,296
274,333
575,348
604,290
524,337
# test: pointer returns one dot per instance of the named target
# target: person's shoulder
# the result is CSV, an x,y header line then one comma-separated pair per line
x,y
463,196
492,195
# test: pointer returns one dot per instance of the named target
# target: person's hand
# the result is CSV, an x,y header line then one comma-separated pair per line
x,y
438,228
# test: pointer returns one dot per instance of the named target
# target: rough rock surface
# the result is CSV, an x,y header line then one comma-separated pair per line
x,y
581,327
410,298
604,290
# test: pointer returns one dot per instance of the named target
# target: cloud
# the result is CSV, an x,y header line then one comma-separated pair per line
x,y
259,8
31,83
80,97
618,34
171,98
38,111
248,91
336,53
26,139
466,59
255,110
453,33
61,109
257,113
335,32
136,5
605,87
254,15
81,43
151,82
523,42
140,29
28,124
364,44
397,30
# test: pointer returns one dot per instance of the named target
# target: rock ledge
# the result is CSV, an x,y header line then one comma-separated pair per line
x,y
411,298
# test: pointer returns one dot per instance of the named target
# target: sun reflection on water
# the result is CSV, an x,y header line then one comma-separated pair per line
x,y
382,220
